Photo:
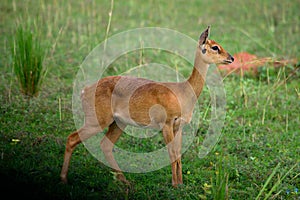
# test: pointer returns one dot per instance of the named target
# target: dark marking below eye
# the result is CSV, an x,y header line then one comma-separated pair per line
x,y
203,51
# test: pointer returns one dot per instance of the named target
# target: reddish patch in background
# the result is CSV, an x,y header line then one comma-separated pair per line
x,y
246,62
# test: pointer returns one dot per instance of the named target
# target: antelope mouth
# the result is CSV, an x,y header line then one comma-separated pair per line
x,y
227,62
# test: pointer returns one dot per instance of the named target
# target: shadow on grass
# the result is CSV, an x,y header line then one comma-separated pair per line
x,y
14,184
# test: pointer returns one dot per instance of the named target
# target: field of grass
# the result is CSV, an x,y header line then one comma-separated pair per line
x,y
260,141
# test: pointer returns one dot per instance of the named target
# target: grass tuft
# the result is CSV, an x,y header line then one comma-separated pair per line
x,y
220,181
28,57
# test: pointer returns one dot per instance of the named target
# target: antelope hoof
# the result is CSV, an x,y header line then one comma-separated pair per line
x,y
122,178
64,180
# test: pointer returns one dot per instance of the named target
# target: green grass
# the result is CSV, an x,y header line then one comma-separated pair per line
x,y
28,56
260,141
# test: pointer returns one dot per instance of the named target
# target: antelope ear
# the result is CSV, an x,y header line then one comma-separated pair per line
x,y
204,36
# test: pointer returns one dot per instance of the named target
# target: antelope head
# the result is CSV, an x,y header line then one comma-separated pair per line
x,y
211,52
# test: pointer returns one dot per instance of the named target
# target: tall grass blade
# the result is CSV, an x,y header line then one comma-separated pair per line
x,y
267,181
279,182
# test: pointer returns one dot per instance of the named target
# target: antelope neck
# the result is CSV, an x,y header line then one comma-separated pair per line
x,y
197,78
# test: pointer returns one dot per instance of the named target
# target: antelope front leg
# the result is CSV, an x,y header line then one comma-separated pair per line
x,y
177,148
174,148
179,171
178,138
175,157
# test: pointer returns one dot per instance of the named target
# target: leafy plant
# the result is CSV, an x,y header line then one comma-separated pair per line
x,y
28,56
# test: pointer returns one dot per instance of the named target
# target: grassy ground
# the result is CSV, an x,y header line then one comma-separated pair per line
x,y
262,123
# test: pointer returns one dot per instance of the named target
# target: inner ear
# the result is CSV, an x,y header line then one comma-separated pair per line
x,y
204,36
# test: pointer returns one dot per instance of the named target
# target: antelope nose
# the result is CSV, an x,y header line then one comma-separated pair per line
x,y
231,58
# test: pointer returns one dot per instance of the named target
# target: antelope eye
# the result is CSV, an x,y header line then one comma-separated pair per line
x,y
215,48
